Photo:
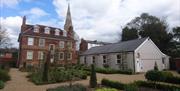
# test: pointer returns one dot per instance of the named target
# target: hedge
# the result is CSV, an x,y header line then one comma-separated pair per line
x,y
162,76
113,84
111,71
137,84
163,87
76,87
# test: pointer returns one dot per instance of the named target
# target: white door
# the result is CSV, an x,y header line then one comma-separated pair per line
x,y
138,65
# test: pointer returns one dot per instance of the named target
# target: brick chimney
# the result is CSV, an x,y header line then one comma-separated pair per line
x,y
83,45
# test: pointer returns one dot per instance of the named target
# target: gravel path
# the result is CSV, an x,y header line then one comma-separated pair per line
x,y
19,82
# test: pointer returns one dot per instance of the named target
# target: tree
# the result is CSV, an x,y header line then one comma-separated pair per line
x,y
4,39
129,34
174,45
93,78
148,26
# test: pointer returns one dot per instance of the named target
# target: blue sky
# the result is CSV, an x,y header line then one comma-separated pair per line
x,y
92,19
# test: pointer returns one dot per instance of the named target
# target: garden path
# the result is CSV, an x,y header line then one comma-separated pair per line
x,y
19,82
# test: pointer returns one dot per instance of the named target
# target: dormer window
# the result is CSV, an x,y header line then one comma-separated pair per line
x,y
36,28
47,30
64,33
57,32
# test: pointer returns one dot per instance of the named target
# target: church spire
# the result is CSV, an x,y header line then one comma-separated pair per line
x,y
68,22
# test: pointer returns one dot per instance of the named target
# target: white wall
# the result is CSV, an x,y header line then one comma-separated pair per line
x,y
149,54
111,60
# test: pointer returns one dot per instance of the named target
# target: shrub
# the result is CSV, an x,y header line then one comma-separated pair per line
x,y
130,87
4,76
58,75
36,78
113,71
112,84
173,79
106,89
163,87
76,87
1,84
153,75
93,78
162,77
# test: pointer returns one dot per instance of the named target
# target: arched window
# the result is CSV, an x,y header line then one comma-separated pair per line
x,y
47,30
57,32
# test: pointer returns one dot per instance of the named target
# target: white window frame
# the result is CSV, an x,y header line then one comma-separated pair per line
x,y
43,42
29,55
60,55
40,55
57,32
47,30
118,59
30,41
69,57
61,44
36,28
69,44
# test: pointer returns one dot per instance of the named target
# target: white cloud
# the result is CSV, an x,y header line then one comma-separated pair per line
x,y
34,13
12,24
8,3
103,19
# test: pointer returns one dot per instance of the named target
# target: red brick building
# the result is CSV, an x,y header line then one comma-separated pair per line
x,y
36,41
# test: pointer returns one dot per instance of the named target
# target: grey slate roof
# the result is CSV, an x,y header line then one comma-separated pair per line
x,y
126,46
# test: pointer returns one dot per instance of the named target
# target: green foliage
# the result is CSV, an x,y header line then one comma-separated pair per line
x,y
76,87
131,87
129,34
162,87
148,26
156,66
4,76
106,89
112,71
36,77
162,77
93,78
45,72
58,75
1,84
174,45
113,84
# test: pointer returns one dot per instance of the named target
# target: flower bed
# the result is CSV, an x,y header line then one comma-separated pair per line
x,y
58,75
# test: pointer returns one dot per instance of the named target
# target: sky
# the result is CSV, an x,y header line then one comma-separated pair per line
x,y
101,20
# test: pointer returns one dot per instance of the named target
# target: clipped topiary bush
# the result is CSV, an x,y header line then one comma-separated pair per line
x,y
153,75
93,78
